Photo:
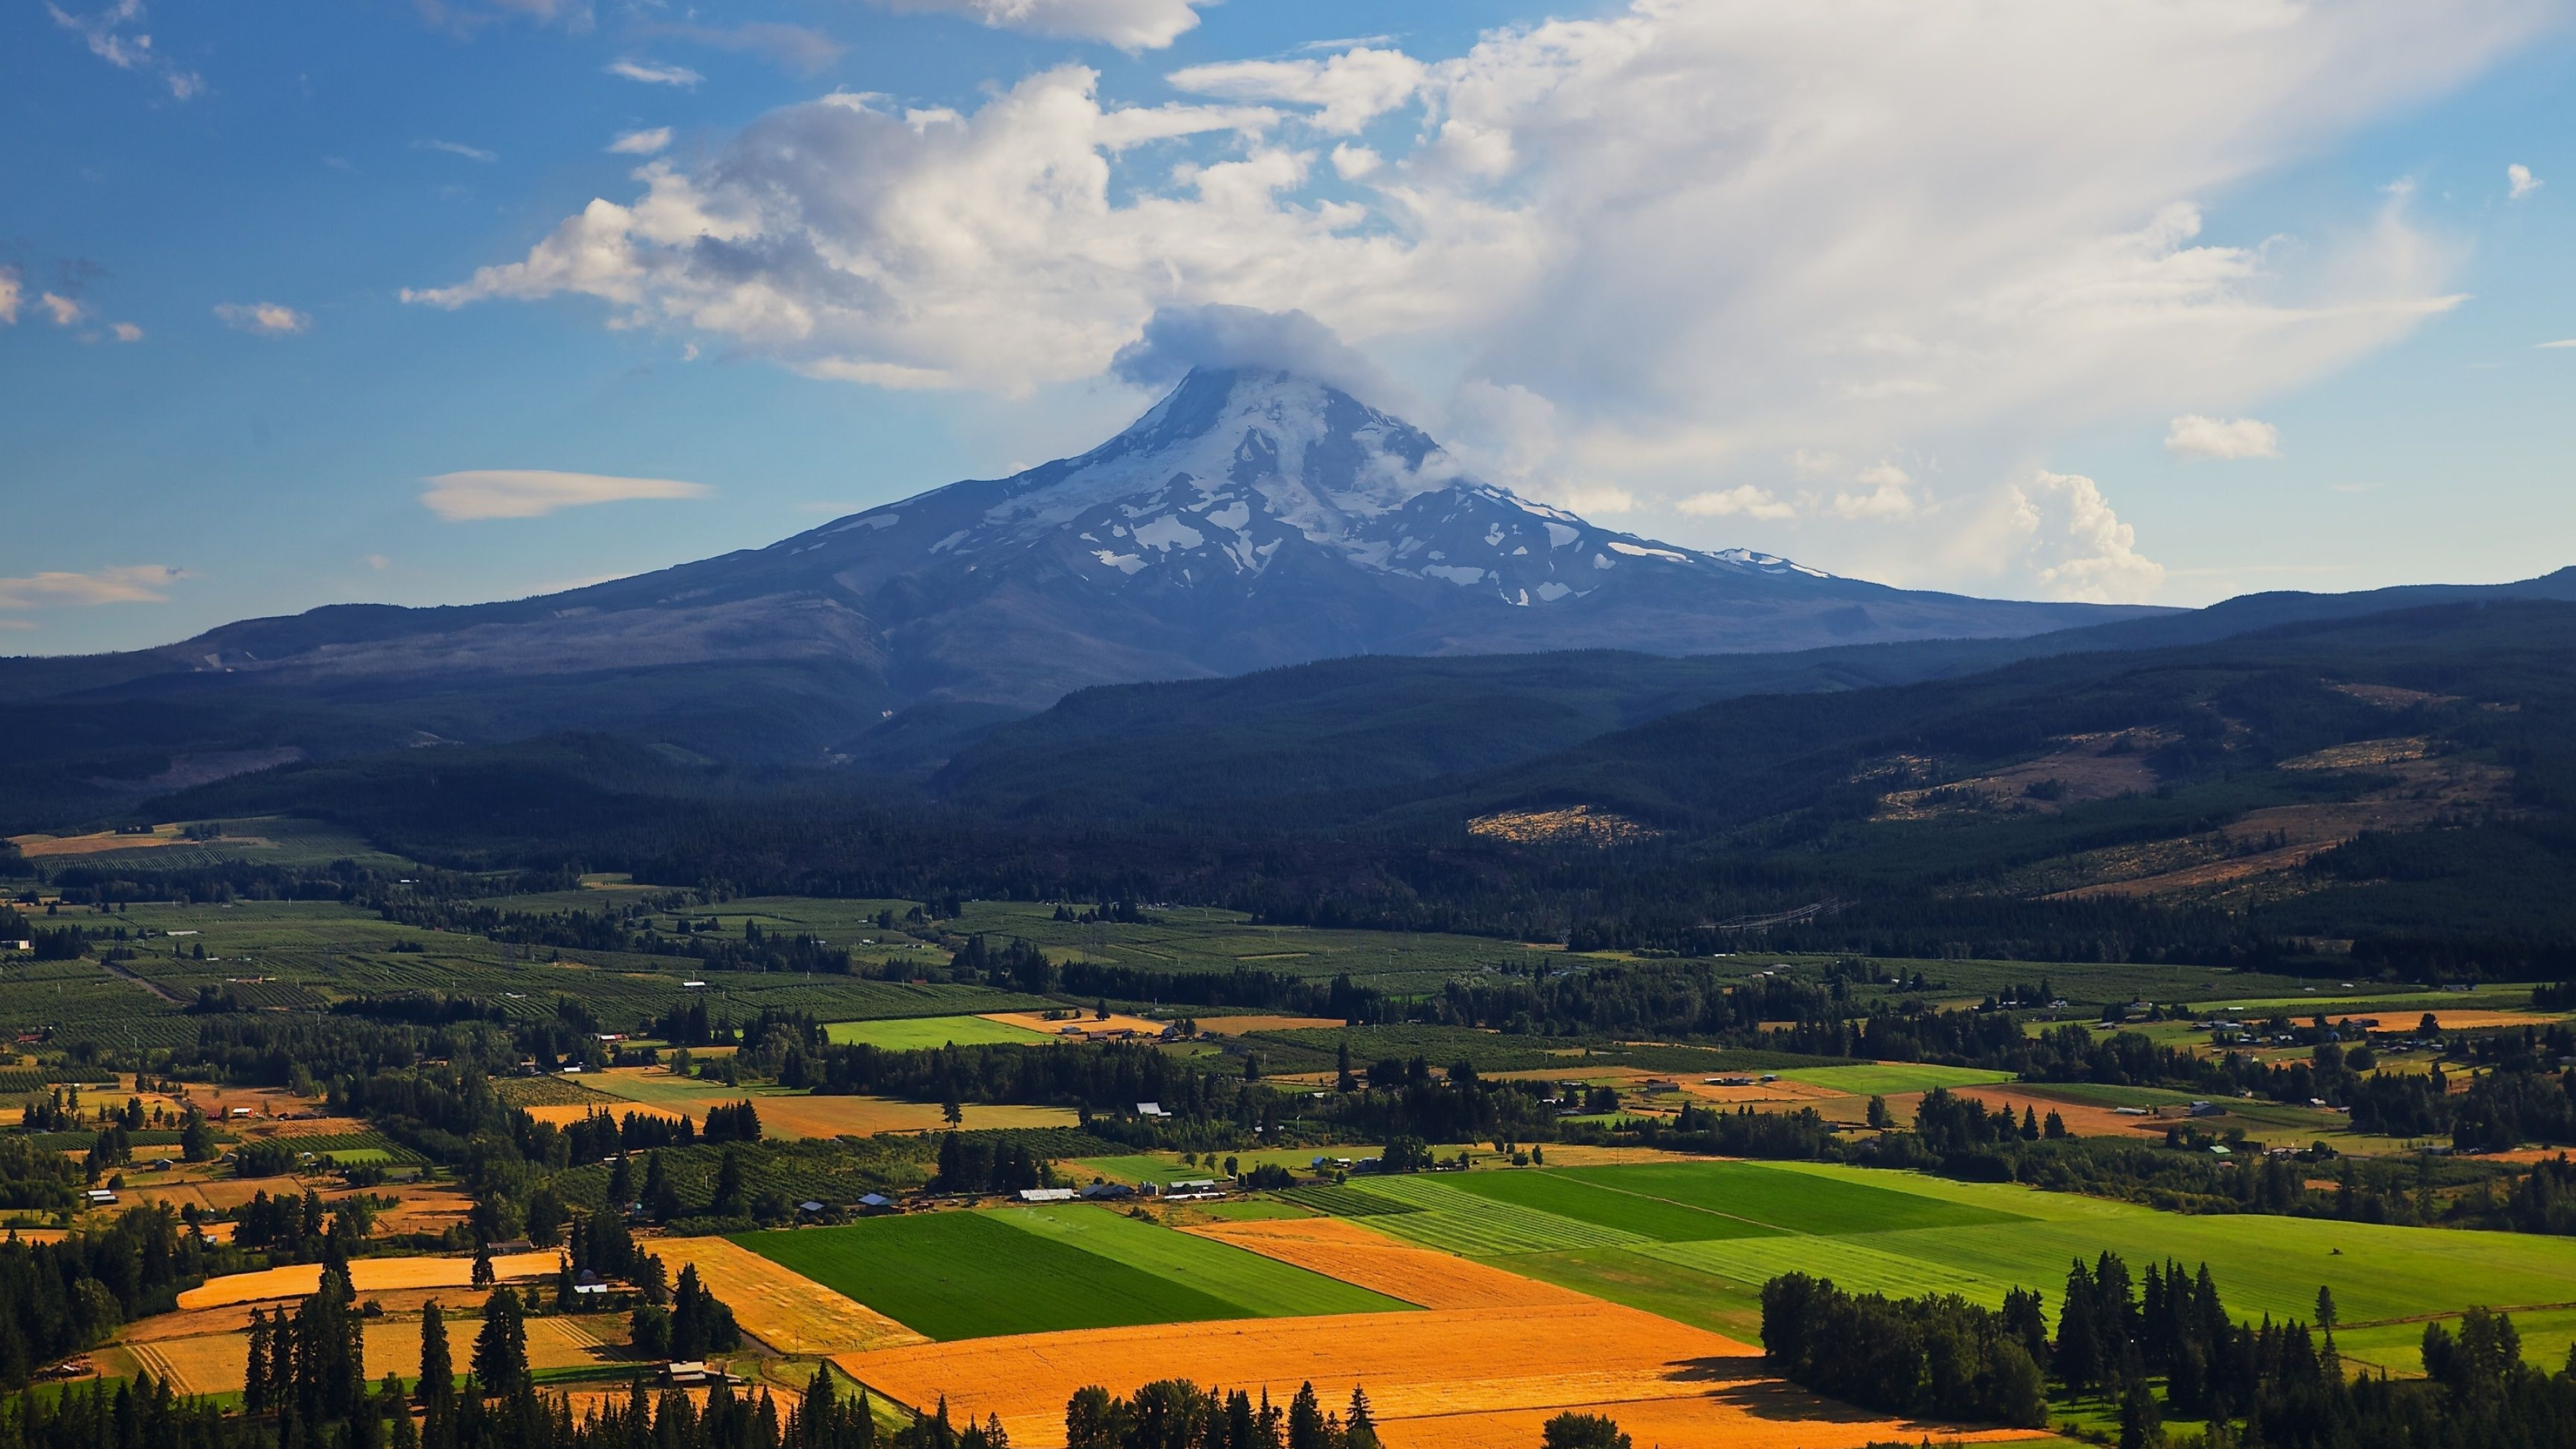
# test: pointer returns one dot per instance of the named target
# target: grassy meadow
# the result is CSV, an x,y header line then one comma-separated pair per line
x,y
1695,1241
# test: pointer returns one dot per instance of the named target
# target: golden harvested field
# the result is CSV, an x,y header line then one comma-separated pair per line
x,y
2467,1020
1796,1094
559,1113
1241,1025
1455,1379
214,1363
1340,1248
1086,1022
2082,1119
39,847
805,1116
1762,1415
788,1311
367,1275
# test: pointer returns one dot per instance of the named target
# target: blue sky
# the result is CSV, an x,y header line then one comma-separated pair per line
x,y
2071,300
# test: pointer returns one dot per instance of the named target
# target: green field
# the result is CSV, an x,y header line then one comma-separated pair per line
x,y
1906,1233
957,1275
1607,1205
1889,1078
1345,1202
922,1033
971,1275
1261,1287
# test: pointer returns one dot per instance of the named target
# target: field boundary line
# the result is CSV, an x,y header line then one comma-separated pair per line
x,y
1695,1207
2453,1313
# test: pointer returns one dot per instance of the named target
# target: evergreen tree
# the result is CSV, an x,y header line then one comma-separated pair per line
x,y
437,1382
501,1348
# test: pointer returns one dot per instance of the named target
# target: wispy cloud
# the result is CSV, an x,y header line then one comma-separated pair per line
x,y
122,584
654,72
1746,501
11,297
535,492
111,38
642,143
455,148
791,47
264,319
66,311
2561,342
125,332
1127,24
2519,177
2196,437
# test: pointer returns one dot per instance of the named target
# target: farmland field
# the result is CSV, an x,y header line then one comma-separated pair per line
x,y
366,1275
1888,1078
1591,1200
958,1275
1261,1286
923,1032
1358,1255
1437,1380
786,1113
785,1310
1906,1233
968,1275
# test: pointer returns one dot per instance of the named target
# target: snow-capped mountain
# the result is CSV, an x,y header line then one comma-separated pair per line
x,y
1207,489
1249,519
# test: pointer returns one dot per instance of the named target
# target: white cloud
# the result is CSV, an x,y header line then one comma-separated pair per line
x,y
1127,24
264,319
1890,496
456,148
931,249
2561,342
1596,500
1744,500
125,331
642,143
1349,90
654,72
377,562
66,311
2079,548
1353,162
2195,437
11,296
122,584
1177,339
2519,177
110,38
535,492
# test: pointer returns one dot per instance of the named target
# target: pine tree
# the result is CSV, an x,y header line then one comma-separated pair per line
x,y
501,1349
255,1377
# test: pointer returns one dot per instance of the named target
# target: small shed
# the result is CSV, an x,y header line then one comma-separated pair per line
x,y
1151,1109
1047,1194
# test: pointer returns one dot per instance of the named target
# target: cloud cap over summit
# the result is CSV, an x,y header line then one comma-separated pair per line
x,y
1226,338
